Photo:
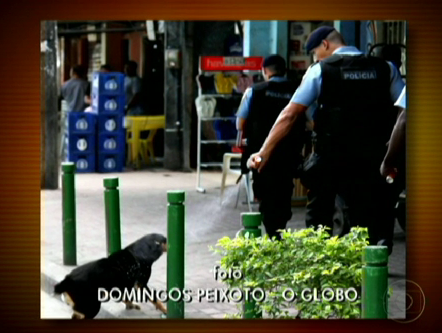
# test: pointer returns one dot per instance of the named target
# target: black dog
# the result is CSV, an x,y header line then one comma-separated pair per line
x,y
127,268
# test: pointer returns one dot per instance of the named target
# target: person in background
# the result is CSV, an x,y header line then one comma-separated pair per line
x,y
132,88
87,99
260,107
73,91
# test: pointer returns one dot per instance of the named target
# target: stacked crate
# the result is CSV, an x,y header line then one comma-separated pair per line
x,y
108,101
81,135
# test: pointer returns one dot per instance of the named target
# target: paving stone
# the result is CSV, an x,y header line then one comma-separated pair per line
x,y
210,311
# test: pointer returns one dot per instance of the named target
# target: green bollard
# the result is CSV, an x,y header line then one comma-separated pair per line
x,y
251,223
69,214
112,213
375,283
175,251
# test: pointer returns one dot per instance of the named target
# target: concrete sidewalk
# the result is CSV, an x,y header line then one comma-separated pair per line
x,y
143,210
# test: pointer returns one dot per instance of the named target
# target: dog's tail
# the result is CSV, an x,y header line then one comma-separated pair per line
x,y
62,286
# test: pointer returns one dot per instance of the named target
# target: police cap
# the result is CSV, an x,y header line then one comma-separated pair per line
x,y
274,60
317,36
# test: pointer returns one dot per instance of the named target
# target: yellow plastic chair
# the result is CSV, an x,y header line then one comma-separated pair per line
x,y
137,146
146,145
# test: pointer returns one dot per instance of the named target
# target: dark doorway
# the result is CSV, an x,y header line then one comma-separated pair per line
x,y
125,51
153,85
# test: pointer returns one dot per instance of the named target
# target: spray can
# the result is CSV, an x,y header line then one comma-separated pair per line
x,y
390,178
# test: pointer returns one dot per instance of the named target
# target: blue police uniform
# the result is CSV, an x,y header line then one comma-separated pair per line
x,y
310,88
244,107
358,182
401,101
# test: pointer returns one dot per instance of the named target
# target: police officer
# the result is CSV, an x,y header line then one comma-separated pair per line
x,y
353,122
260,106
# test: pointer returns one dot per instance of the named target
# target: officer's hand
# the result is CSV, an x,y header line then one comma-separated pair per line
x,y
252,162
257,161
387,170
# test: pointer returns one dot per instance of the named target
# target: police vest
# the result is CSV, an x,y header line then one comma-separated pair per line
x,y
268,100
356,114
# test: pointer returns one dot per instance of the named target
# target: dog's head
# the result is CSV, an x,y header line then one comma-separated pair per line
x,y
160,242
150,247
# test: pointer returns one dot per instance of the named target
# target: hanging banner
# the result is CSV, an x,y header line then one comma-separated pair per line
x,y
231,63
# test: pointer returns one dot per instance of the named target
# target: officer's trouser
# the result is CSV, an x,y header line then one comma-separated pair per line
x,y
274,191
369,198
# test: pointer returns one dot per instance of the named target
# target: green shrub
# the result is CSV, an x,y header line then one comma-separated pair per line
x,y
306,258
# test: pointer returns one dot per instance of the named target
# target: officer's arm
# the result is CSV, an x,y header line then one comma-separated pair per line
x,y
306,94
395,146
243,110
240,122
243,113
280,129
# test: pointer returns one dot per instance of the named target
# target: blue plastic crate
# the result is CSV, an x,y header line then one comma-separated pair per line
x,y
225,129
110,123
81,143
110,162
84,162
82,122
108,83
113,104
112,143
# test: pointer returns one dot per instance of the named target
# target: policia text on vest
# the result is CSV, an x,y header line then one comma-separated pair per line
x,y
358,74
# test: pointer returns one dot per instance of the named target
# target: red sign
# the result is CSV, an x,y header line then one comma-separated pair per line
x,y
231,63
